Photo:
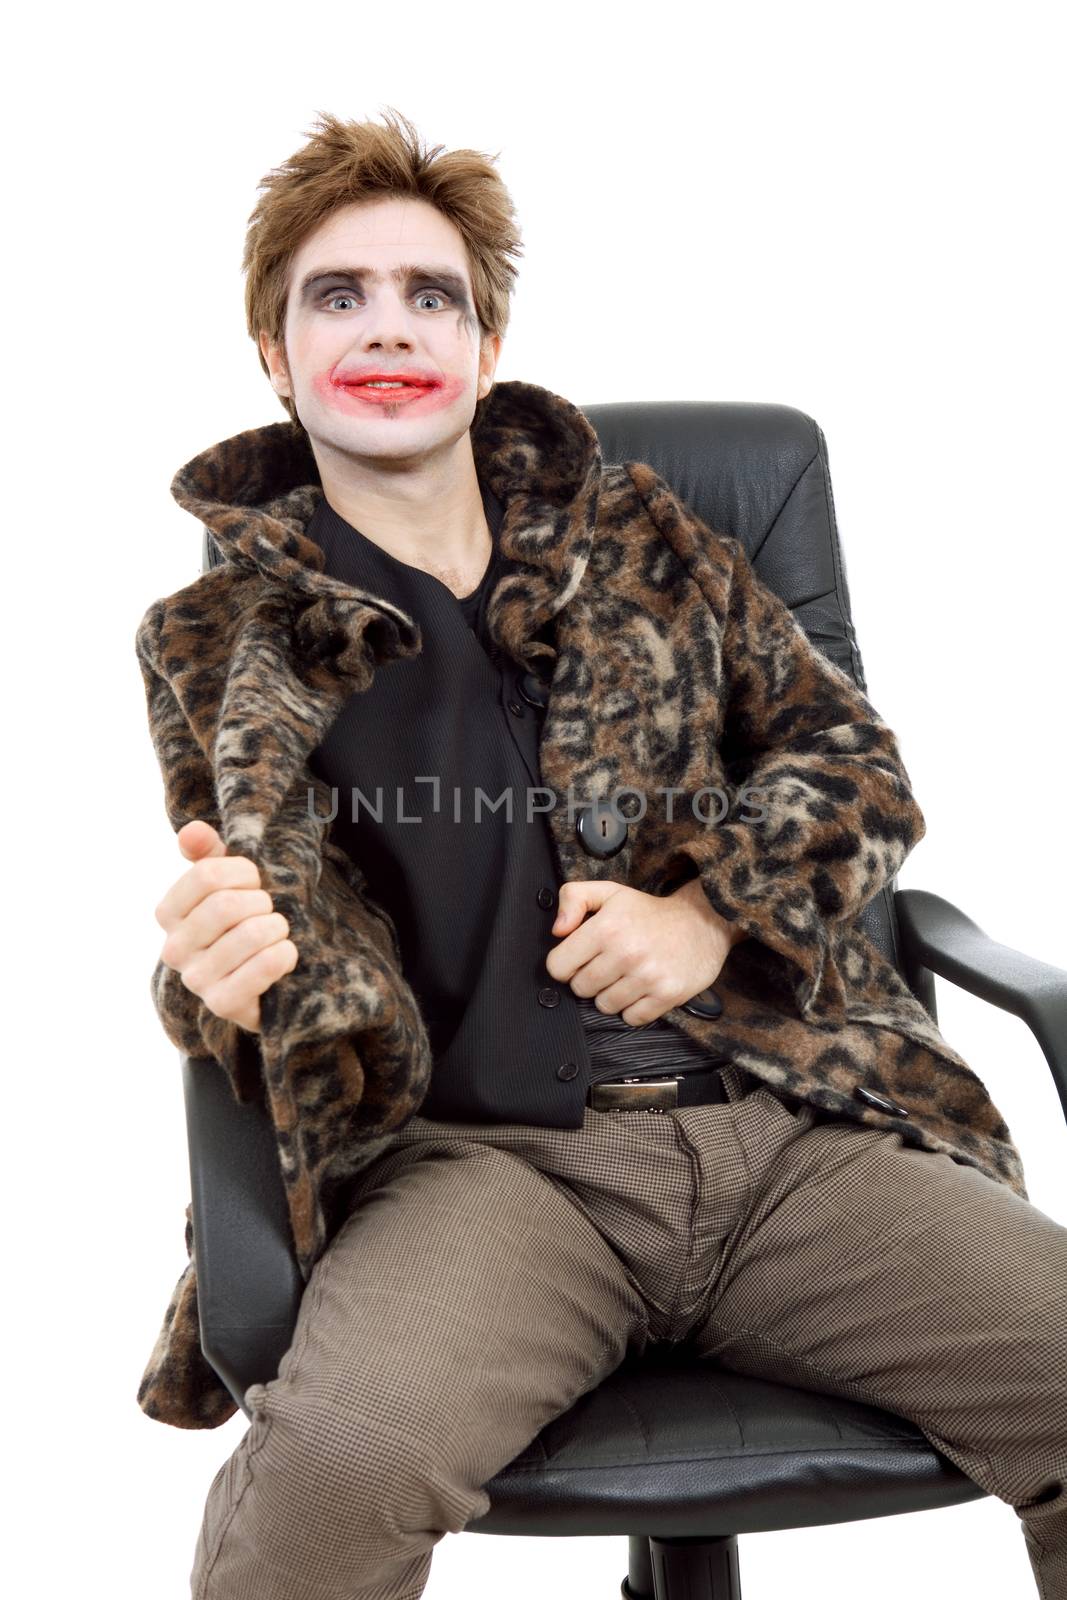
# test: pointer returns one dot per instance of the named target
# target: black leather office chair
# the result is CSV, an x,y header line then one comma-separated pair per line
x,y
677,1453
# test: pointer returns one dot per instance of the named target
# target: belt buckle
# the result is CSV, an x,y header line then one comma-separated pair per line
x,y
634,1095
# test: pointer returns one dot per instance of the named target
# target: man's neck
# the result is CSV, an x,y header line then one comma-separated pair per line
x,y
434,522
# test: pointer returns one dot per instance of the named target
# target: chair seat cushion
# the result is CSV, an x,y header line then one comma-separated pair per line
x,y
672,1446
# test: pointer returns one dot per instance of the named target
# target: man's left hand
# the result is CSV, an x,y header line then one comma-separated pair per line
x,y
640,954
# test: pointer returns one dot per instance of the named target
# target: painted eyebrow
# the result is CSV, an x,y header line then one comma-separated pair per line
x,y
444,276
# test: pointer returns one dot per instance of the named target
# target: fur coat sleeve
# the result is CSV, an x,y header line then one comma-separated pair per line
x,y
821,813
342,1055
178,1382
189,794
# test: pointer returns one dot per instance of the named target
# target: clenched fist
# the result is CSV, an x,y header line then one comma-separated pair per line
x,y
638,954
223,935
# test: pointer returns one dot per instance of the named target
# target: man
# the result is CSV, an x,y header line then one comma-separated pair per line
x,y
442,584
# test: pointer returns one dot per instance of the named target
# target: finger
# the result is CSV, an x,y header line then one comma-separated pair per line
x,y
624,995
213,919
199,838
209,965
232,993
580,947
204,878
638,1016
571,907
577,897
591,979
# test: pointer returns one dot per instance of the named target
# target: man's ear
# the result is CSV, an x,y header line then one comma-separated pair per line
x,y
275,359
489,356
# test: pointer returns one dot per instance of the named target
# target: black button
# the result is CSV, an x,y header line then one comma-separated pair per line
x,y
567,1071
533,690
881,1102
704,1004
602,831
513,705
546,898
548,997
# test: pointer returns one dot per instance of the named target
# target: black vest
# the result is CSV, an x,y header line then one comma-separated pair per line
x,y
472,891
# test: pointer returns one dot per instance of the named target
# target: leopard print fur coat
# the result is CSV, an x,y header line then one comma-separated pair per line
x,y
673,667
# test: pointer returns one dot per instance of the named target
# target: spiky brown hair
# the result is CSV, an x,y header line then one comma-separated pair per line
x,y
345,162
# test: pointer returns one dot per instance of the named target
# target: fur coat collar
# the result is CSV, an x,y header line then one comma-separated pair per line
x,y
671,666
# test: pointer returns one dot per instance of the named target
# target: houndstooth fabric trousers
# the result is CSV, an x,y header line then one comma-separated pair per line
x,y
486,1276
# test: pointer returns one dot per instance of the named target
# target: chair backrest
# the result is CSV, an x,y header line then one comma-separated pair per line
x,y
761,474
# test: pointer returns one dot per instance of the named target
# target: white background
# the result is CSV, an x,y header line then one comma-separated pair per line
x,y
848,209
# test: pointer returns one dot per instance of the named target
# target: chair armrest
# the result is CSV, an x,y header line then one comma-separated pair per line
x,y
249,1285
938,937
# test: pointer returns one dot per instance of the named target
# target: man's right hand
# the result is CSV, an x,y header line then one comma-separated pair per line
x,y
223,935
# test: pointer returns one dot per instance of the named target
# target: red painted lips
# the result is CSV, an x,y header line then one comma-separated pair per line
x,y
406,391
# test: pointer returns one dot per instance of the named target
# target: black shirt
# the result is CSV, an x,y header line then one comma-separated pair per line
x,y
473,895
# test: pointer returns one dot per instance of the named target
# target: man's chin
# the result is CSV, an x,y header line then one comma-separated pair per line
x,y
381,440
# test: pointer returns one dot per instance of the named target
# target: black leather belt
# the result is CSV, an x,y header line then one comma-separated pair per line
x,y
660,1091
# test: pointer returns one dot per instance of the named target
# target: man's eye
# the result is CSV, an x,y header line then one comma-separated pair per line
x,y
346,294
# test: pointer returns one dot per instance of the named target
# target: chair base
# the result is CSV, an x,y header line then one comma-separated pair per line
x,y
683,1569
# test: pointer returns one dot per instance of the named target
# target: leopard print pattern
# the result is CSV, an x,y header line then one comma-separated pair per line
x,y
670,666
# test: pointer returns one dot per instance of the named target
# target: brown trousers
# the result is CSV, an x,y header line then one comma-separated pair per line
x,y
489,1275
